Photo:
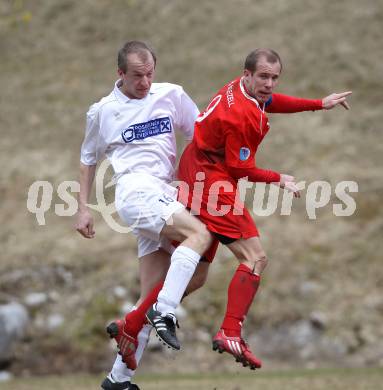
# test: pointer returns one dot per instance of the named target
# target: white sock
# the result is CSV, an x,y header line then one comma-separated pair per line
x,y
183,264
143,339
121,373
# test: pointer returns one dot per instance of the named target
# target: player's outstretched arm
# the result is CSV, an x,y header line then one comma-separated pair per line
x,y
334,99
84,220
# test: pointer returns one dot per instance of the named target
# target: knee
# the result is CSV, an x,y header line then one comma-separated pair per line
x,y
258,262
203,236
207,237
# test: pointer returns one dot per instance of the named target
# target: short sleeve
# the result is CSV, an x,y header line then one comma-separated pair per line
x,y
186,114
91,149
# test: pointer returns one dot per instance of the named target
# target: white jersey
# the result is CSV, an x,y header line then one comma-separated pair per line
x,y
137,135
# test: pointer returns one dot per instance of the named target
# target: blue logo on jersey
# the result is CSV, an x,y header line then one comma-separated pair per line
x,y
244,153
147,129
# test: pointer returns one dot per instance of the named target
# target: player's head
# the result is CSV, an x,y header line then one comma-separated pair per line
x,y
261,73
136,64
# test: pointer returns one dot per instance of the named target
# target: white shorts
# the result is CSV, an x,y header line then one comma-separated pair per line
x,y
145,203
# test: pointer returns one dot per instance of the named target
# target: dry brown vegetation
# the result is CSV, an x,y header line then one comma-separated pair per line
x,y
58,56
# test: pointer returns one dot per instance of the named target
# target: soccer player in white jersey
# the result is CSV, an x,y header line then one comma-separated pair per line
x,y
134,128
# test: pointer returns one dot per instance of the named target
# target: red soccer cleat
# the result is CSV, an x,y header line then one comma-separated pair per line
x,y
236,347
127,344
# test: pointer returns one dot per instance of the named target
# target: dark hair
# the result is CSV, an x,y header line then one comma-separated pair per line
x,y
137,47
253,58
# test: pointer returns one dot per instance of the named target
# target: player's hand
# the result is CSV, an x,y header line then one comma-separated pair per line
x,y
288,183
84,224
334,99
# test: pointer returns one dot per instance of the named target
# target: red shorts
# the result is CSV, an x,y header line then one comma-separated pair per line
x,y
211,194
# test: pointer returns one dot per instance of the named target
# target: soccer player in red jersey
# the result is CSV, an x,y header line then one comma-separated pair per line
x,y
227,135
226,138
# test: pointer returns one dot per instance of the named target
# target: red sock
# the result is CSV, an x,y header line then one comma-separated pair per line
x,y
135,320
240,295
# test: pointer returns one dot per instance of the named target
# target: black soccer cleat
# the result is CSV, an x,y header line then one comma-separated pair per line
x,y
109,384
165,326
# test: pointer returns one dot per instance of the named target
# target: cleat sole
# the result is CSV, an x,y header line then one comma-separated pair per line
x,y
160,338
217,347
112,330
165,343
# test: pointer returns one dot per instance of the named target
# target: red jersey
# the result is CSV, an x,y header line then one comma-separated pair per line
x,y
234,124
226,138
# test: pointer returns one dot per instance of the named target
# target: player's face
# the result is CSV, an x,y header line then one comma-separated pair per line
x,y
262,82
138,78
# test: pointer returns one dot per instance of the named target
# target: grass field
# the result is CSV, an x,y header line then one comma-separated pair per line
x,y
318,379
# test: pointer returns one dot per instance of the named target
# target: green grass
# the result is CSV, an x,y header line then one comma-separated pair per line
x,y
329,379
